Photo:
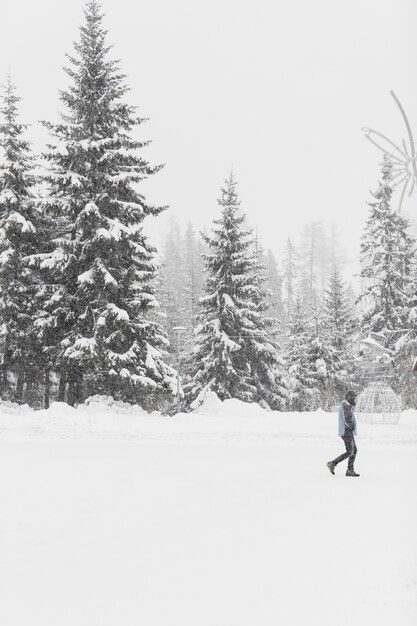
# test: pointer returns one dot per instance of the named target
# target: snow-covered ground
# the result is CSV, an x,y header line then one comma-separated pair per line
x,y
224,517
215,422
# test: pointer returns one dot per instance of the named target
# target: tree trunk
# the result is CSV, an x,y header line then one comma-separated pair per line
x,y
46,397
3,380
75,389
29,392
71,393
19,387
62,386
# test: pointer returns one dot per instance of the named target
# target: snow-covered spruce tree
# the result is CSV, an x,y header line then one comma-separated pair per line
x,y
319,370
301,379
339,328
406,347
339,310
234,356
289,277
337,253
324,358
386,253
312,250
274,287
19,237
100,260
266,363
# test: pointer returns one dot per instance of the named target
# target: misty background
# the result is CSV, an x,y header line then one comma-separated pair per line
x,y
277,91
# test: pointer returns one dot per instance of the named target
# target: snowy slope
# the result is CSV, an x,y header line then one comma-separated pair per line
x,y
227,517
215,421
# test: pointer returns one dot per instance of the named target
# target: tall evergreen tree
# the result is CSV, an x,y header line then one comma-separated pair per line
x,y
274,286
406,347
319,361
386,252
301,379
324,359
234,356
259,267
310,253
338,333
289,277
337,252
19,237
266,364
100,260
339,310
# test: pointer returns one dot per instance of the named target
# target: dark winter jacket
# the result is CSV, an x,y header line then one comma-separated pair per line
x,y
347,419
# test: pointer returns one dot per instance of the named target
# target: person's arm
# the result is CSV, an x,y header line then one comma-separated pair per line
x,y
348,416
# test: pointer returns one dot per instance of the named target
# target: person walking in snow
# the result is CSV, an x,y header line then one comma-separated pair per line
x,y
347,430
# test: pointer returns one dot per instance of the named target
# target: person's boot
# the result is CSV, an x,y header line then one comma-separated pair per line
x,y
351,472
331,466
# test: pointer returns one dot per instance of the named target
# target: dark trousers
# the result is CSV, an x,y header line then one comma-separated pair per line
x,y
350,453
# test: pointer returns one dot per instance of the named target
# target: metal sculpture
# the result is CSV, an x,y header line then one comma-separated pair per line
x,y
377,404
403,155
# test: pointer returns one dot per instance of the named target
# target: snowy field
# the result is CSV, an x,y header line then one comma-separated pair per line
x,y
225,517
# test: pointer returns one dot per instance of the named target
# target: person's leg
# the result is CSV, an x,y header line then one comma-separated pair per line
x,y
343,456
352,452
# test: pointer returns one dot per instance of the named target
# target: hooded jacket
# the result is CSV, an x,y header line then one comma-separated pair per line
x,y
347,419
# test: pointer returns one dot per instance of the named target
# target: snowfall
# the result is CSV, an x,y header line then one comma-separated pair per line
x,y
227,516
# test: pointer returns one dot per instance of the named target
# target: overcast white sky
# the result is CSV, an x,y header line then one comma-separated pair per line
x,y
278,90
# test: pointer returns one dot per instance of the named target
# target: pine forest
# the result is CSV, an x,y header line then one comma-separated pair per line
x,y
90,306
